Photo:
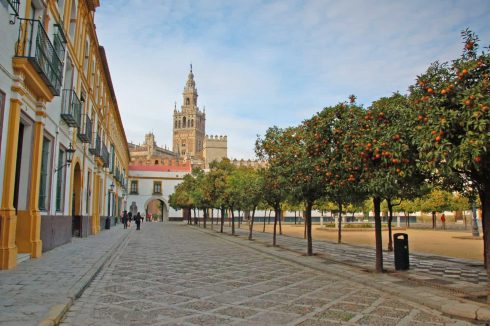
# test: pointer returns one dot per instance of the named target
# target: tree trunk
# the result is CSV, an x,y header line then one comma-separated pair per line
x,y
295,217
280,221
270,212
434,220
390,219
304,233
205,215
308,228
252,223
339,237
485,213
239,219
263,230
222,219
275,227
377,231
232,221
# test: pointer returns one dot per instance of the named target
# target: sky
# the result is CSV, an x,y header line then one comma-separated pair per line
x,y
260,63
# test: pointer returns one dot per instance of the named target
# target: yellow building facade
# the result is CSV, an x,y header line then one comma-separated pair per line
x,y
63,151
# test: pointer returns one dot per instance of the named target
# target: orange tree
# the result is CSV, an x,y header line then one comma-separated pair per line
x,y
333,133
182,196
201,192
451,124
387,155
303,173
274,183
399,150
216,186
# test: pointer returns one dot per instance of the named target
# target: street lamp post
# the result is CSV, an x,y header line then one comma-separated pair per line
x,y
69,157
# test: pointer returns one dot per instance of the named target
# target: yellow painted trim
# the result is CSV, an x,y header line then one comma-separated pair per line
x,y
8,217
32,79
28,233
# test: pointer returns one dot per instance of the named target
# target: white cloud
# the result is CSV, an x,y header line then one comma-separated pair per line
x,y
263,63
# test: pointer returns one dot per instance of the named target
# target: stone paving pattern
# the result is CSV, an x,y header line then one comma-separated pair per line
x,y
172,274
458,274
28,291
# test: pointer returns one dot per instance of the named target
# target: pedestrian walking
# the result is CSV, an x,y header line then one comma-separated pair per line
x,y
137,220
125,219
443,220
130,219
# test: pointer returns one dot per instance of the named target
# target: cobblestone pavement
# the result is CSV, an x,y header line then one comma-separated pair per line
x,y
30,290
458,274
172,274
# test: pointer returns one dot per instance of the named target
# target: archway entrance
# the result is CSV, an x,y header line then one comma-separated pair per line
x,y
157,209
76,207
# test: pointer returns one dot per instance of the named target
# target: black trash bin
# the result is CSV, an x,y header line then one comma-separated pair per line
x,y
402,261
107,223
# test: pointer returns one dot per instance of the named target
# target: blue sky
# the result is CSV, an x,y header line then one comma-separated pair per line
x,y
264,63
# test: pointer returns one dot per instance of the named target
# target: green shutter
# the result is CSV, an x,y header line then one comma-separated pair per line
x,y
59,182
44,175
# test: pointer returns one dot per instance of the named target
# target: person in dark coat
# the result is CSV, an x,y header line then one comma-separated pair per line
x,y
137,219
125,219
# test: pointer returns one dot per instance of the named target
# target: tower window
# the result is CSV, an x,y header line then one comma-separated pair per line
x,y
183,122
175,124
187,101
192,123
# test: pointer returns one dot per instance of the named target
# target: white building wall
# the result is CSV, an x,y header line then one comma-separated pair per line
x,y
8,38
145,189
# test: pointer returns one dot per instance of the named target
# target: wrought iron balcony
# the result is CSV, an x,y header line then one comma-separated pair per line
x,y
96,149
105,155
85,131
71,108
14,4
33,43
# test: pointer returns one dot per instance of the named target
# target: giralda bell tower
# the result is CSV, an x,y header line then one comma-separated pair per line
x,y
189,123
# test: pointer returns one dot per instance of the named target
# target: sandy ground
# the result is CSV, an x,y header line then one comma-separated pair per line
x,y
439,242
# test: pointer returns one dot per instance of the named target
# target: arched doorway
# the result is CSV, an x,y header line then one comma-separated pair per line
x,y
157,208
76,207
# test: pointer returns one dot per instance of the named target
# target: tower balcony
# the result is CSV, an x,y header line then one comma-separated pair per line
x,y
96,147
37,59
105,156
85,132
71,108
14,4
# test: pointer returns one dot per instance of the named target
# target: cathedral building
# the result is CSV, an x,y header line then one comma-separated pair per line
x,y
155,171
190,144
189,123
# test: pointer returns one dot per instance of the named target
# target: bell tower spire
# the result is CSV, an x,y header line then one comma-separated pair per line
x,y
190,94
189,123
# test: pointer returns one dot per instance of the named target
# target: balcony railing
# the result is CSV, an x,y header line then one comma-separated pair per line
x,y
96,150
71,108
59,41
34,44
14,4
105,155
85,132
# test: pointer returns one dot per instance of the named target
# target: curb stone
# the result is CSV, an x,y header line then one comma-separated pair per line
x,y
434,298
57,312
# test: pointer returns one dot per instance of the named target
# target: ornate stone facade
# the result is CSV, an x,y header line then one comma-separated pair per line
x,y
189,123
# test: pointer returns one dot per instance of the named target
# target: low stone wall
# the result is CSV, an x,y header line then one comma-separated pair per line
x,y
81,226
174,219
112,219
56,230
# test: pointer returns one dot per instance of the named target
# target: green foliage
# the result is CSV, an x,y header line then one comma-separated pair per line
x,y
450,117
